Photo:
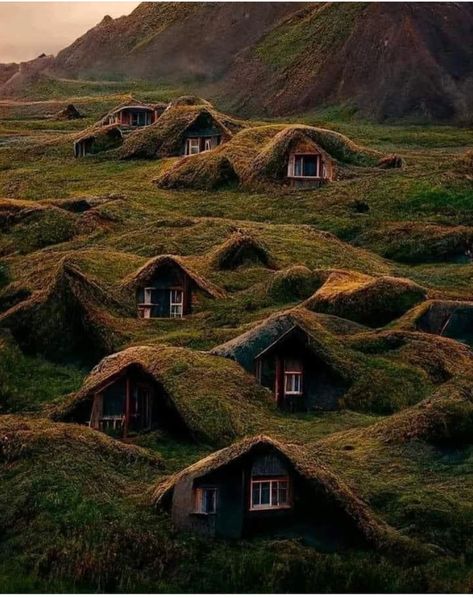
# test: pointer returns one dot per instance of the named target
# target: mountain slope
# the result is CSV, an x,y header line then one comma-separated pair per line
x,y
385,60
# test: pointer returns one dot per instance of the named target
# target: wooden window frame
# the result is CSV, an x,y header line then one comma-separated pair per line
x,y
275,480
198,500
192,142
302,176
180,313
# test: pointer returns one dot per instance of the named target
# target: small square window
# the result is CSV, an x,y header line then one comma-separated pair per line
x,y
206,500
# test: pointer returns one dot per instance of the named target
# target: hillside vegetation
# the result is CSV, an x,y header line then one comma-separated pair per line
x,y
369,264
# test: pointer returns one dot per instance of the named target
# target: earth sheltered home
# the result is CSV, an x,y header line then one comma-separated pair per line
x,y
290,359
187,394
262,486
451,319
98,139
294,156
165,287
181,130
134,114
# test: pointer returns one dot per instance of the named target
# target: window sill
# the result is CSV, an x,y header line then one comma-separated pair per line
x,y
270,508
199,514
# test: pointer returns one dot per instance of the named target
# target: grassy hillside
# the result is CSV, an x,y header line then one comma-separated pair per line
x,y
75,509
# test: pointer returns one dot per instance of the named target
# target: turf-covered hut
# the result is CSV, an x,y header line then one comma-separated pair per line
x,y
180,131
165,287
134,114
98,140
287,355
182,392
259,485
452,319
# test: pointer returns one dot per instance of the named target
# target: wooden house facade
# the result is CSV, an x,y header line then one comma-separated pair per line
x,y
139,115
204,134
129,402
308,165
166,288
287,359
254,488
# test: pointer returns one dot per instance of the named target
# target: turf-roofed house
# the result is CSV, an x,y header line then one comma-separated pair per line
x,y
285,355
134,114
176,391
165,287
259,486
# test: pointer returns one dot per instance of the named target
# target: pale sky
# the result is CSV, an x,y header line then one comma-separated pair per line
x,y
28,29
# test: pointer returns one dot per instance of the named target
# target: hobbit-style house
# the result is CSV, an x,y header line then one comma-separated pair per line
x,y
186,394
166,288
262,487
133,115
285,357
98,140
204,134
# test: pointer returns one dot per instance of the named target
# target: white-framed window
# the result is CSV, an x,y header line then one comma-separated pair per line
x,y
307,165
148,296
205,500
292,377
176,309
269,494
192,146
207,144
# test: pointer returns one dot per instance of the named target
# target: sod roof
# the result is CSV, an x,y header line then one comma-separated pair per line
x,y
166,136
453,319
216,400
322,481
98,133
373,301
70,316
151,268
259,155
239,249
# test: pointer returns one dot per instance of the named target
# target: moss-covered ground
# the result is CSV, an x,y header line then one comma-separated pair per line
x,y
74,510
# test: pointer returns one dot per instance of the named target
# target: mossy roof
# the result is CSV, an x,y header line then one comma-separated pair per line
x,y
259,155
308,466
144,274
373,301
214,397
166,136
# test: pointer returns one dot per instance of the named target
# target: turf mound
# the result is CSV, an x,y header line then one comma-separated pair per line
x,y
66,320
260,156
323,483
215,399
445,417
167,135
31,225
440,358
189,101
295,283
239,250
414,242
70,112
365,299
146,273
271,161
452,319
70,503
201,172
98,139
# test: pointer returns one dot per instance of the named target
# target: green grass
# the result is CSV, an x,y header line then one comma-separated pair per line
x,y
73,514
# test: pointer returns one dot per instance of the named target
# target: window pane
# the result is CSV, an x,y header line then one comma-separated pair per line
x,y
282,494
298,166
274,493
310,166
255,499
265,494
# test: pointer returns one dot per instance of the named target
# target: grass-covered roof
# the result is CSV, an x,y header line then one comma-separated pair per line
x,y
259,155
308,466
215,398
